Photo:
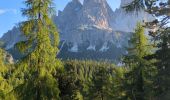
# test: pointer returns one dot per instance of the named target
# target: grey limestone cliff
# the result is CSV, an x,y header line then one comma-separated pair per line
x,y
91,23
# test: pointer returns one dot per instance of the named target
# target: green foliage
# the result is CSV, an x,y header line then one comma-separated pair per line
x,y
139,45
161,38
140,75
162,56
80,80
40,76
5,70
101,87
35,72
41,88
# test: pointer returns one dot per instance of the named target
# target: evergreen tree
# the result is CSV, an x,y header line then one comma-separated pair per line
x,y
90,80
5,85
69,84
37,68
162,56
140,71
101,86
160,35
3,69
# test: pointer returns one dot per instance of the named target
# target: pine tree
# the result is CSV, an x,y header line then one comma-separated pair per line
x,y
102,85
2,71
160,9
162,56
69,84
140,71
5,85
39,65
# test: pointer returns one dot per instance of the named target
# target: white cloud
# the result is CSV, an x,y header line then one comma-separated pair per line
x,y
3,11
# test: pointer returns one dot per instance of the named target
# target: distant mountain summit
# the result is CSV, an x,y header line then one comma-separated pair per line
x,y
89,22
96,12
91,30
125,2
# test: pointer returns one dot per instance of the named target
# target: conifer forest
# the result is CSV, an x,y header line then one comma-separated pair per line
x,y
42,66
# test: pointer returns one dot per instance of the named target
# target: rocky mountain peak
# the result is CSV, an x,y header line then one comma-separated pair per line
x,y
69,14
94,1
91,26
76,1
125,2
96,12
72,6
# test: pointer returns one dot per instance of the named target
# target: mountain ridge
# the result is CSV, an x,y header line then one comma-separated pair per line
x,y
91,27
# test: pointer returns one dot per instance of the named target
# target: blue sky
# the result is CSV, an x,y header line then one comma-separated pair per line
x,y
10,13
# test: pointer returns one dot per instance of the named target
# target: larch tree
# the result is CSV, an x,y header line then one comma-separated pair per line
x,y
138,78
162,55
3,69
5,85
102,84
39,65
161,10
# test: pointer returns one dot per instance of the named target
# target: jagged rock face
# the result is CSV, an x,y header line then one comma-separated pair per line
x,y
95,22
125,2
92,26
126,22
66,20
96,12
12,37
91,23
